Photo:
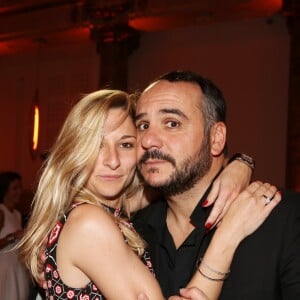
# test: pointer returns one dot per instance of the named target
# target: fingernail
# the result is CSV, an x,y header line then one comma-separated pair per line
x,y
207,227
280,193
204,203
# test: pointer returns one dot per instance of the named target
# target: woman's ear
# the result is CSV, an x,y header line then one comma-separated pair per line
x,y
217,138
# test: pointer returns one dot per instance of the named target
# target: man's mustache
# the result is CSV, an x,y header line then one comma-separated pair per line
x,y
156,154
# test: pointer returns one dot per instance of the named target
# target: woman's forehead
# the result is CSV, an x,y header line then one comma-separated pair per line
x,y
118,120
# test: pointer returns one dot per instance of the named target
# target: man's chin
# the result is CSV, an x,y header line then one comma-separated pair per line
x,y
155,182
153,176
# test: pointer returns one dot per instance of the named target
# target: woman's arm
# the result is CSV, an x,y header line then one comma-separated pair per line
x,y
233,179
92,247
235,226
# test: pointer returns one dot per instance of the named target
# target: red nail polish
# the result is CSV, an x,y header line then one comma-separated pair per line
x,y
207,227
204,203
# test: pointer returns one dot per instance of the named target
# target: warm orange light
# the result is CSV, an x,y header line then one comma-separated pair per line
x,y
36,125
35,120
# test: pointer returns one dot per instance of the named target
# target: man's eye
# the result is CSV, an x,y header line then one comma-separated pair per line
x,y
142,126
172,124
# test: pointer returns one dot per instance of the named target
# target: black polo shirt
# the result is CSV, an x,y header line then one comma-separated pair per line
x,y
266,265
173,267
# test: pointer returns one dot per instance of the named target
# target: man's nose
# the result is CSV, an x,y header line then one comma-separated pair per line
x,y
150,138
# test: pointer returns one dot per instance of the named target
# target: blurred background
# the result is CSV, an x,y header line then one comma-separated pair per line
x,y
53,52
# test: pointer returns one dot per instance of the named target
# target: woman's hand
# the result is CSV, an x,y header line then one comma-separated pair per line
x,y
257,201
226,187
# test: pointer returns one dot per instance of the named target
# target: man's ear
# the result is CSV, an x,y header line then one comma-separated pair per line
x,y
217,138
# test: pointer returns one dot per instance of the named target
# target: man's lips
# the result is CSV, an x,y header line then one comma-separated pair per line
x,y
154,161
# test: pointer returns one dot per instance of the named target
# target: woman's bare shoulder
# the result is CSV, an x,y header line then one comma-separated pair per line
x,y
91,220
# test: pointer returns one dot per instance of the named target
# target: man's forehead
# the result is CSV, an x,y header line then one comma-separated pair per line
x,y
170,94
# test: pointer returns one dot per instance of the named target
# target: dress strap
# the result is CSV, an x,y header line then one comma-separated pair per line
x,y
72,206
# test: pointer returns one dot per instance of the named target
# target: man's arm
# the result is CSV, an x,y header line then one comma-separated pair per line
x,y
289,271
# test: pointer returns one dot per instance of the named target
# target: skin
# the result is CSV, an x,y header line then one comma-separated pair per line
x,y
225,187
116,161
79,259
175,134
169,120
166,122
111,174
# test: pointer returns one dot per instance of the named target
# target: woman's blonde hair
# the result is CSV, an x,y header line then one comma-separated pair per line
x,y
67,169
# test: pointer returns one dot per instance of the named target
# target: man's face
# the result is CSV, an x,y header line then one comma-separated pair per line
x,y
14,191
173,153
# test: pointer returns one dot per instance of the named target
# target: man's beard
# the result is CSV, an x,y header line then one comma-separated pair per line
x,y
186,175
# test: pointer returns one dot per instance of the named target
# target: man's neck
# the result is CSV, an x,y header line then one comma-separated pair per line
x,y
180,207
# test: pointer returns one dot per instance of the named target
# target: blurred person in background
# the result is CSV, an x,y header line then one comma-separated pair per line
x,y
14,279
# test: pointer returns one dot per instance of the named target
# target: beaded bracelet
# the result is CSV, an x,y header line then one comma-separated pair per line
x,y
225,274
210,278
211,269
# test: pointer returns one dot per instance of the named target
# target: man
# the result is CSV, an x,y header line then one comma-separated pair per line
x,y
181,136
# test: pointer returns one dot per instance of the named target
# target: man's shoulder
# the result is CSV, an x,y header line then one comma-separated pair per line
x,y
287,209
290,200
289,193
269,256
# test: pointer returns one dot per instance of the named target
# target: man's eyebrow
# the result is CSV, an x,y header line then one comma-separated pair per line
x,y
139,116
173,111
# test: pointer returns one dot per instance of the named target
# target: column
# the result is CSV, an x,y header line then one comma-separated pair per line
x,y
114,45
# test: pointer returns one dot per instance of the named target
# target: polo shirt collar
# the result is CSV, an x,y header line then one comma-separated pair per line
x,y
157,218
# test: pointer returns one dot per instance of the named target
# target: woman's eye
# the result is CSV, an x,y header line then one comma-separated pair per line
x,y
172,124
126,145
142,126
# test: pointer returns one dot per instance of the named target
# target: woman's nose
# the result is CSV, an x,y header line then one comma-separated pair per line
x,y
111,158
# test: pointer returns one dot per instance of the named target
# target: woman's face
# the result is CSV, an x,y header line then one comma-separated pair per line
x,y
116,162
14,192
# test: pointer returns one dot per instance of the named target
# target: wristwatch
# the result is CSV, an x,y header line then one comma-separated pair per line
x,y
244,158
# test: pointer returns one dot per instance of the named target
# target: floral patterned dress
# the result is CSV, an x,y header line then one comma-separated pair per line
x,y
56,288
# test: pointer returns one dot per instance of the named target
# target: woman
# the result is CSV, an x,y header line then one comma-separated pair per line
x,y
85,194
14,279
